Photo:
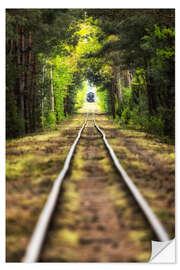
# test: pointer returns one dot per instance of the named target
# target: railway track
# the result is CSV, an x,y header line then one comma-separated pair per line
x,y
38,238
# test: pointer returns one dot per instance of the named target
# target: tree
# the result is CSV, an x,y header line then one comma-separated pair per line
x,y
134,41
26,43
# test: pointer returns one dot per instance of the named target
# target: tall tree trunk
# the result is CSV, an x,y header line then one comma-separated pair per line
x,y
129,79
28,84
51,90
22,76
42,94
113,101
10,47
65,106
151,93
34,92
118,87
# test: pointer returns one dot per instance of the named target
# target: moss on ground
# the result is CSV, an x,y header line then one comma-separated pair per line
x,y
32,164
151,165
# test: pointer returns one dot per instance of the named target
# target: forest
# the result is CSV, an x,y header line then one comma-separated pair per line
x,y
103,169
127,54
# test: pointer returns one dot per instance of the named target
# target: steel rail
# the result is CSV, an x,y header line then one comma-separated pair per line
x,y
153,220
35,245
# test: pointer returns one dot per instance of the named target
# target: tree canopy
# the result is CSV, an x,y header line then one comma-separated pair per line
x,y
127,54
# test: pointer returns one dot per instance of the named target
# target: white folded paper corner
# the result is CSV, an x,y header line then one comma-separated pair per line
x,y
163,252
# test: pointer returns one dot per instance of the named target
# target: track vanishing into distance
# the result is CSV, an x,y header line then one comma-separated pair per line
x,y
90,131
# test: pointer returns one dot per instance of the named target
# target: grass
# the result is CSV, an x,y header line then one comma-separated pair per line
x,y
68,237
139,129
32,164
62,240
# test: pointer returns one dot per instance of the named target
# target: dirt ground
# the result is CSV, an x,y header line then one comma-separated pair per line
x,y
96,219
151,166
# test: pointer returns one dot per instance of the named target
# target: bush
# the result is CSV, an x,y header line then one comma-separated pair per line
x,y
50,120
125,115
156,125
152,124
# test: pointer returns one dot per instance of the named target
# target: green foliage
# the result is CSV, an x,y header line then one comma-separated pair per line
x,y
161,42
81,95
68,68
49,120
103,99
140,41
125,115
52,44
101,46
155,125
